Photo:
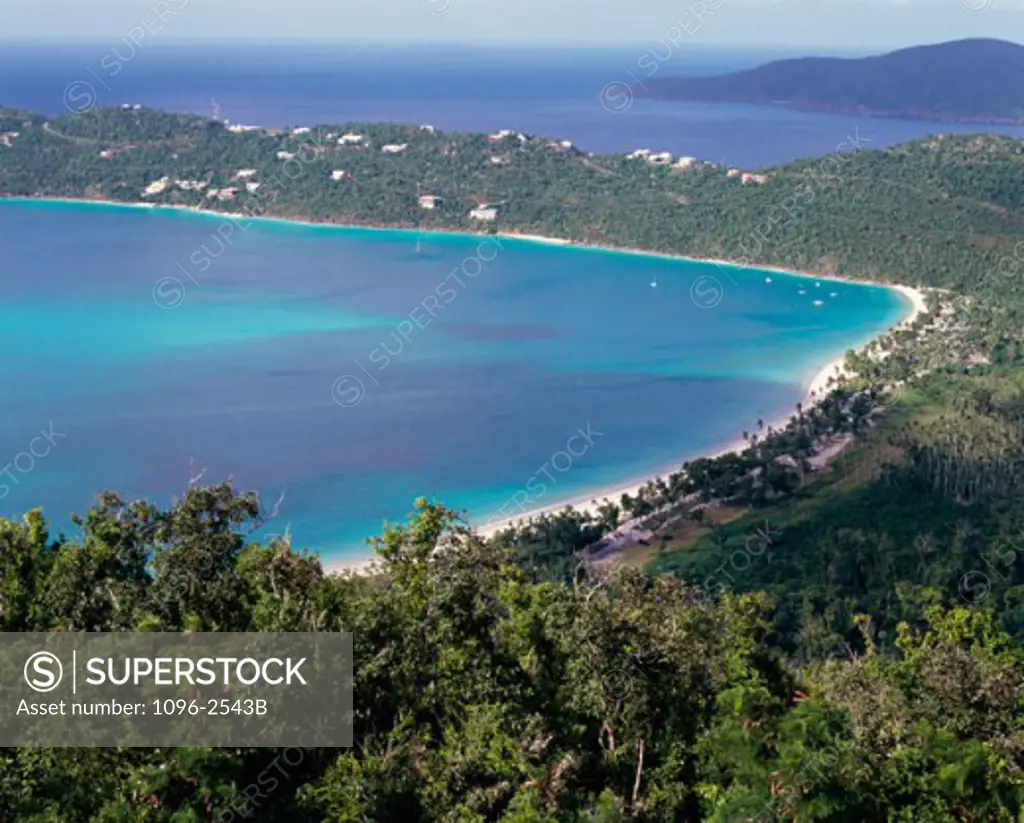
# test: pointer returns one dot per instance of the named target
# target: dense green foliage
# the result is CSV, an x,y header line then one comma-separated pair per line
x,y
483,695
821,641
939,212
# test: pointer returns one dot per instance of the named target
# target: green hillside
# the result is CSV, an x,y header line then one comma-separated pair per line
x,y
808,639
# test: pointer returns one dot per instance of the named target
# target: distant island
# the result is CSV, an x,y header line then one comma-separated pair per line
x,y
971,81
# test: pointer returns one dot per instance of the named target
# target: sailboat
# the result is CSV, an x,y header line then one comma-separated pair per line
x,y
419,247
654,282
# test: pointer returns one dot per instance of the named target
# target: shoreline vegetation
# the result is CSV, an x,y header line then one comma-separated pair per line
x,y
796,644
845,216
587,504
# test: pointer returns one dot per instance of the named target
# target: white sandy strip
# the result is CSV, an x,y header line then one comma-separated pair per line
x,y
537,238
815,389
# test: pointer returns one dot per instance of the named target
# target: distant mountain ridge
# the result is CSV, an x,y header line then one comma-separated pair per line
x,y
976,80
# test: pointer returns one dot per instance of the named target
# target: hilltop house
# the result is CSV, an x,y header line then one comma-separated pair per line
x,y
394,148
244,174
285,155
156,187
350,139
339,174
429,201
760,179
483,212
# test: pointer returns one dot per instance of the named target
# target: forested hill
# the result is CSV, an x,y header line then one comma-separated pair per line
x,y
942,211
830,643
980,80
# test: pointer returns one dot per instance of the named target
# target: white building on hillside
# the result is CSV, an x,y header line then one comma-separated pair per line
x,y
156,187
483,212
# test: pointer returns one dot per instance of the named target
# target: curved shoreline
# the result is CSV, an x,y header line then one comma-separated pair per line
x,y
813,388
524,237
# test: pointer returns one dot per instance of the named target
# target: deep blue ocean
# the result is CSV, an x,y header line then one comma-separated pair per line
x,y
549,91
352,370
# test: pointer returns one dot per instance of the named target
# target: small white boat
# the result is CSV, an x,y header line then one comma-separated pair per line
x,y
819,303
802,291
833,294
767,280
817,285
654,284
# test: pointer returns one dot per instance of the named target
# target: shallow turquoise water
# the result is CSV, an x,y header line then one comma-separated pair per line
x,y
352,372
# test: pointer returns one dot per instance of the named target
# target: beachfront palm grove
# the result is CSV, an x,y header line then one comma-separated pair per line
x,y
825,626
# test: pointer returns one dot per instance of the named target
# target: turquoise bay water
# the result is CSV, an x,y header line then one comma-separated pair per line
x,y
352,371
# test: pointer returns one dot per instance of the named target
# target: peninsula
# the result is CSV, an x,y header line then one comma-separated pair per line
x,y
808,639
951,82
845,214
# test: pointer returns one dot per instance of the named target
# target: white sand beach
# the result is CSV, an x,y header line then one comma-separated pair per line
x,y
815,389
